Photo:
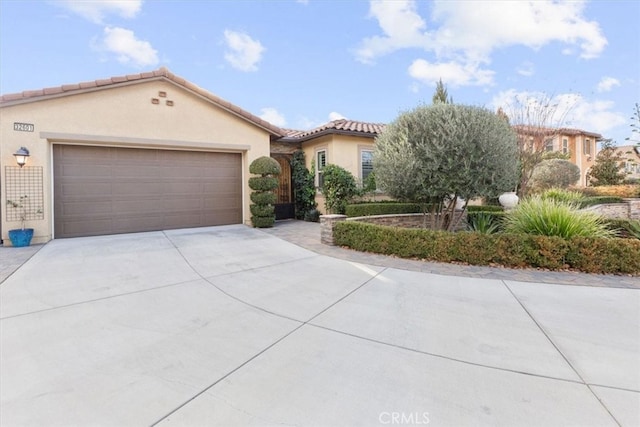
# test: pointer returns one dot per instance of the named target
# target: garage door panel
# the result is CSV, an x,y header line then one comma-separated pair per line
x,y
86,171
78,209
106,190
85,189
139,189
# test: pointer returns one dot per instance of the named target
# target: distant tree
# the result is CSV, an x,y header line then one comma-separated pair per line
x,y
635,126
436,154
608,168
537,120
441,94
554,173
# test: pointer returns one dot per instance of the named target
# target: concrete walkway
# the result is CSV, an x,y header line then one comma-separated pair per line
x,y
234,326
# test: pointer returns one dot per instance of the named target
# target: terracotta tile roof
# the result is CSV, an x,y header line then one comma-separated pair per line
x,y
162,73
555,131
342,126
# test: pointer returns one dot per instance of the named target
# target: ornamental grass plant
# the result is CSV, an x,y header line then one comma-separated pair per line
x,y
549,217
562,195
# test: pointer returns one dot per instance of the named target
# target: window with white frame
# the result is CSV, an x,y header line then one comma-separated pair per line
x,y
565,146
586,146
548,145
321,162
366,164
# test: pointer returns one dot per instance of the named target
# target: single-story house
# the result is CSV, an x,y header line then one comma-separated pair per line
x,y
145,152
152,151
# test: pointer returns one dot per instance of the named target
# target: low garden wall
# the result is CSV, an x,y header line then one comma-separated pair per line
x,y
629,209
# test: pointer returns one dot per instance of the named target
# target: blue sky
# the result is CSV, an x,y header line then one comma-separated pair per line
x,y
299,64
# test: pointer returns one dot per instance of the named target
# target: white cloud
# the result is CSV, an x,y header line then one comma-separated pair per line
x,y
96,10
479,27
571,110
453,73
305,123
607,83
595,115
401,25
128,49
335,116
244,52
464,34
273,116
526,69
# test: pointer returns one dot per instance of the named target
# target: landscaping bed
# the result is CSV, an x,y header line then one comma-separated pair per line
x,y
585,254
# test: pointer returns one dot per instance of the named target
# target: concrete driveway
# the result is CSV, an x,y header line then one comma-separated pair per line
x,y
233,326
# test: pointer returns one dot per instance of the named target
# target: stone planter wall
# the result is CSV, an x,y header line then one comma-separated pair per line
x,y
630,209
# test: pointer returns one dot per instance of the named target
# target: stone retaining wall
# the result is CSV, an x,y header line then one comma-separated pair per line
x,y
630,209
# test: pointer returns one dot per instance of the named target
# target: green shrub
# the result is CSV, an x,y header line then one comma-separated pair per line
x,y
485,208
548,217
262,221
338,187
562,195
598,200
312,216
558,173
265,166
593,255
304,190
495,217
625,228
367,209
262,210
628,191
263,198
263,183
483,222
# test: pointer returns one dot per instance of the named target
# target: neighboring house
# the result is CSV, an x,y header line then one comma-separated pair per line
x,y
631,155
581,145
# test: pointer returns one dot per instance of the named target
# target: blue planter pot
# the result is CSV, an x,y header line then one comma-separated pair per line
x,y
20,238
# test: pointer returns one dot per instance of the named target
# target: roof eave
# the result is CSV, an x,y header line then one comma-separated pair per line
x,y
335,132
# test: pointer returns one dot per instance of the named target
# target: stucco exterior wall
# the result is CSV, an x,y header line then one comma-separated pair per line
x,y
123,116
342,150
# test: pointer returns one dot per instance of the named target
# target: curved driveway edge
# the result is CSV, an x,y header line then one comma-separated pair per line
x,y
232,326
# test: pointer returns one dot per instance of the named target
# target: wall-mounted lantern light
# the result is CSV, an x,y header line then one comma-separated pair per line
x,y
21,156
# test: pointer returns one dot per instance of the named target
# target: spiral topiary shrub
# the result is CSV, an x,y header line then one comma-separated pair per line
x,y
263,197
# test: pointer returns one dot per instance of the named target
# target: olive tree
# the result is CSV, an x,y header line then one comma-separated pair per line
x,y
554,173
436,154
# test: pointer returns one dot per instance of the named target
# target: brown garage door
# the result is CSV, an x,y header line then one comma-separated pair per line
x,y
105,190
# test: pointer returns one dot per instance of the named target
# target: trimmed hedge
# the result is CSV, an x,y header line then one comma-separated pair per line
x,y
598,200
384,208
484,208
591,255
